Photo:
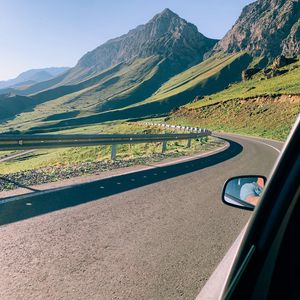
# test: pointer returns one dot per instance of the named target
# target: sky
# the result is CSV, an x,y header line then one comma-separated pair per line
x,y
55,33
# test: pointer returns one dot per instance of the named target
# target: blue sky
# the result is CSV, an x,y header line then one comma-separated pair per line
x,y
46,33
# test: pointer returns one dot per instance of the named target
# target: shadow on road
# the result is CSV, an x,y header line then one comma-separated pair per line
x,y
31,205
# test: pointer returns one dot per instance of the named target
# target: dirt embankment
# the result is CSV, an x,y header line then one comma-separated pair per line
x,y
292,99
266,116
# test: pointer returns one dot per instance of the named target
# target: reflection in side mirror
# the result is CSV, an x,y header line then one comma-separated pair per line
x,y
243,191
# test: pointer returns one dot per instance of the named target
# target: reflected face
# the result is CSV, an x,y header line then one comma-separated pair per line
x,y
244,191
260,181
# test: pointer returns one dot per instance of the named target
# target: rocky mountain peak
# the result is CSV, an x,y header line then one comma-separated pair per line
x,y
167,13
166,35
262,27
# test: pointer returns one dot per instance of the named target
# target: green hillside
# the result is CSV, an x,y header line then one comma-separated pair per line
x,y
140,89
195,81
11,106
260,106
203,79
119,86
286,84
213,74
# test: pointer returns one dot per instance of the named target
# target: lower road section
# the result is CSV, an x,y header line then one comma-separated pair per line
x,y
154,234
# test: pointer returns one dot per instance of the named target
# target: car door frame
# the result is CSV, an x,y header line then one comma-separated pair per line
x,y
266,229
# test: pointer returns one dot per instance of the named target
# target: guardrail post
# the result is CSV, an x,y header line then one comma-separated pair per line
x,y
189,143
164,147
113,152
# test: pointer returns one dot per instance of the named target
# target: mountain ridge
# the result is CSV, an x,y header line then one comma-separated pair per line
x,y
33,75
264,28
166,34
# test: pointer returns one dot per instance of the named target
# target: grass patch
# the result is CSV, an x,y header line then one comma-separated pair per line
x,y
261,107
110,90
264,117
57,173
285,84
64,157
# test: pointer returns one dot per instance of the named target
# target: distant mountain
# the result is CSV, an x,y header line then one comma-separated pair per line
x,y
264,28
32,76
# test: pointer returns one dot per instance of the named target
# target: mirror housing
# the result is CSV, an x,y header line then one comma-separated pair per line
x,y
243,191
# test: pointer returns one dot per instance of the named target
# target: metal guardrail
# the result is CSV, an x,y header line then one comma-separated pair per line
x,y
25,142
178,127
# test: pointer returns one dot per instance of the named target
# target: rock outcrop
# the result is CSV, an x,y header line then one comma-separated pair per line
x,y
248,73
264,28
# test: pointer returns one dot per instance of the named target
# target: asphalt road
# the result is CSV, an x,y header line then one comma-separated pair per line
x,y
153,234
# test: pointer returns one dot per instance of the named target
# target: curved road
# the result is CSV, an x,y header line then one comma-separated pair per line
x,y
154,234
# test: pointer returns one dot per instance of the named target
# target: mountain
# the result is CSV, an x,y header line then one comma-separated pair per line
x,y
33,76
123,71
291,44
9,108
264,28
166,35
209,76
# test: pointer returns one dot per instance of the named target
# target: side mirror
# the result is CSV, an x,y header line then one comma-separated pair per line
x,y
243,191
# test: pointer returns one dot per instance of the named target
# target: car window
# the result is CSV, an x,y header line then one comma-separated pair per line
x,y
120,122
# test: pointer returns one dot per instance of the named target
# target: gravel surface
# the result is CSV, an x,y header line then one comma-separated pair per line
x,y
27,178
56,173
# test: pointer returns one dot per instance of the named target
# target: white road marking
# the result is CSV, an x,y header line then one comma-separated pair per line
x,y
255,137
269,146
260,142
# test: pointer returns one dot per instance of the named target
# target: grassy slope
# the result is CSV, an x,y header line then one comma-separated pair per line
x,y
90,97
288,83
193,81
205,78
263,117
124,87
265,108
